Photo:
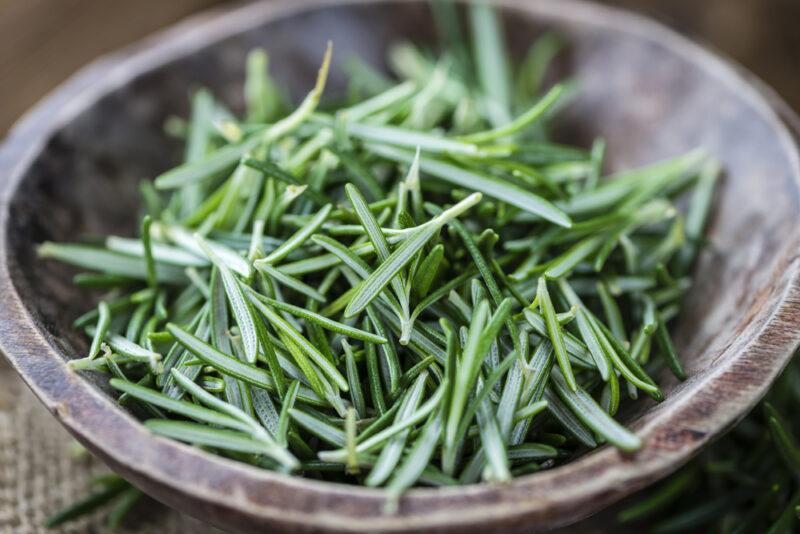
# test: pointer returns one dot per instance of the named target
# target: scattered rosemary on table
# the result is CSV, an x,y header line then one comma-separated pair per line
x,y
411,287
748,481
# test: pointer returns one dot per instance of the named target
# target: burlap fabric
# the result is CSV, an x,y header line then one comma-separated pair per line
x,y
40,473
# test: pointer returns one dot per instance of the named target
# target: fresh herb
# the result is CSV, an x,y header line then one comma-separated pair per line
x,y
416,287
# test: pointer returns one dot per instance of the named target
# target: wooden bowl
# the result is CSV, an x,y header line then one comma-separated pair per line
x,y
72,164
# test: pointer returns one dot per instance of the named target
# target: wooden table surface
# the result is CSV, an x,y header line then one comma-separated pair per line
x,y
43,41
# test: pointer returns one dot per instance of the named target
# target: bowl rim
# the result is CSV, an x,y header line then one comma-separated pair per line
x,y
551,497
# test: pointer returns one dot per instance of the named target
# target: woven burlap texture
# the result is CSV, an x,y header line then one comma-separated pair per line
x,y
40,473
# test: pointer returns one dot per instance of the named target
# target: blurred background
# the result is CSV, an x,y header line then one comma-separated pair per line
x,y
43,41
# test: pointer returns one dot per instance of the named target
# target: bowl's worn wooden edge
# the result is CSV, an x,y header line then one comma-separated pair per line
x,y
211,487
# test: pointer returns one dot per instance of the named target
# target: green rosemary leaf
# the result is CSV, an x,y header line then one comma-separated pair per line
x,y
472,357
102,281
343,254
403,137
380,277
697,215
202,435
355,263
328,324
213,164
529,411
509,398
382,436
292,121
133,351
484,183
180,407
137,320
618,187
482,332
440,292
390,362
491,61
535,66
494,448
391,451
668,349
590,414
621,359
534,114
788,518
568,419
427,271
242,312
262,97
783,440
127,500
297,239
88,504
486,389
359,173
378,240
415,462
695,515
319,428
379,423
272,448
356,393
307,371
162,253
572,257
219,320
88,257
350,445
229,365
148,252
374,379
285,328
532,451
664,496
674,240
575,347
283,420
198,393
265,411
103,321
272,170
186,240
612,312
536,375
386,99
410,376
290,282
554,333
325,261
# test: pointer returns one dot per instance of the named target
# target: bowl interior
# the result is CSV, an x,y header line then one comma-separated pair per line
x,y
647,100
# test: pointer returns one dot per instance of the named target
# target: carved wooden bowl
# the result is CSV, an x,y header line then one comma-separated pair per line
x,y
72,164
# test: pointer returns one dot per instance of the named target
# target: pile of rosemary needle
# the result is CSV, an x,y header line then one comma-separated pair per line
x,y
411,286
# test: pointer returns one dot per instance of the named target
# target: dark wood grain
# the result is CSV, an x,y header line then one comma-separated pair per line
x,y
649,92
